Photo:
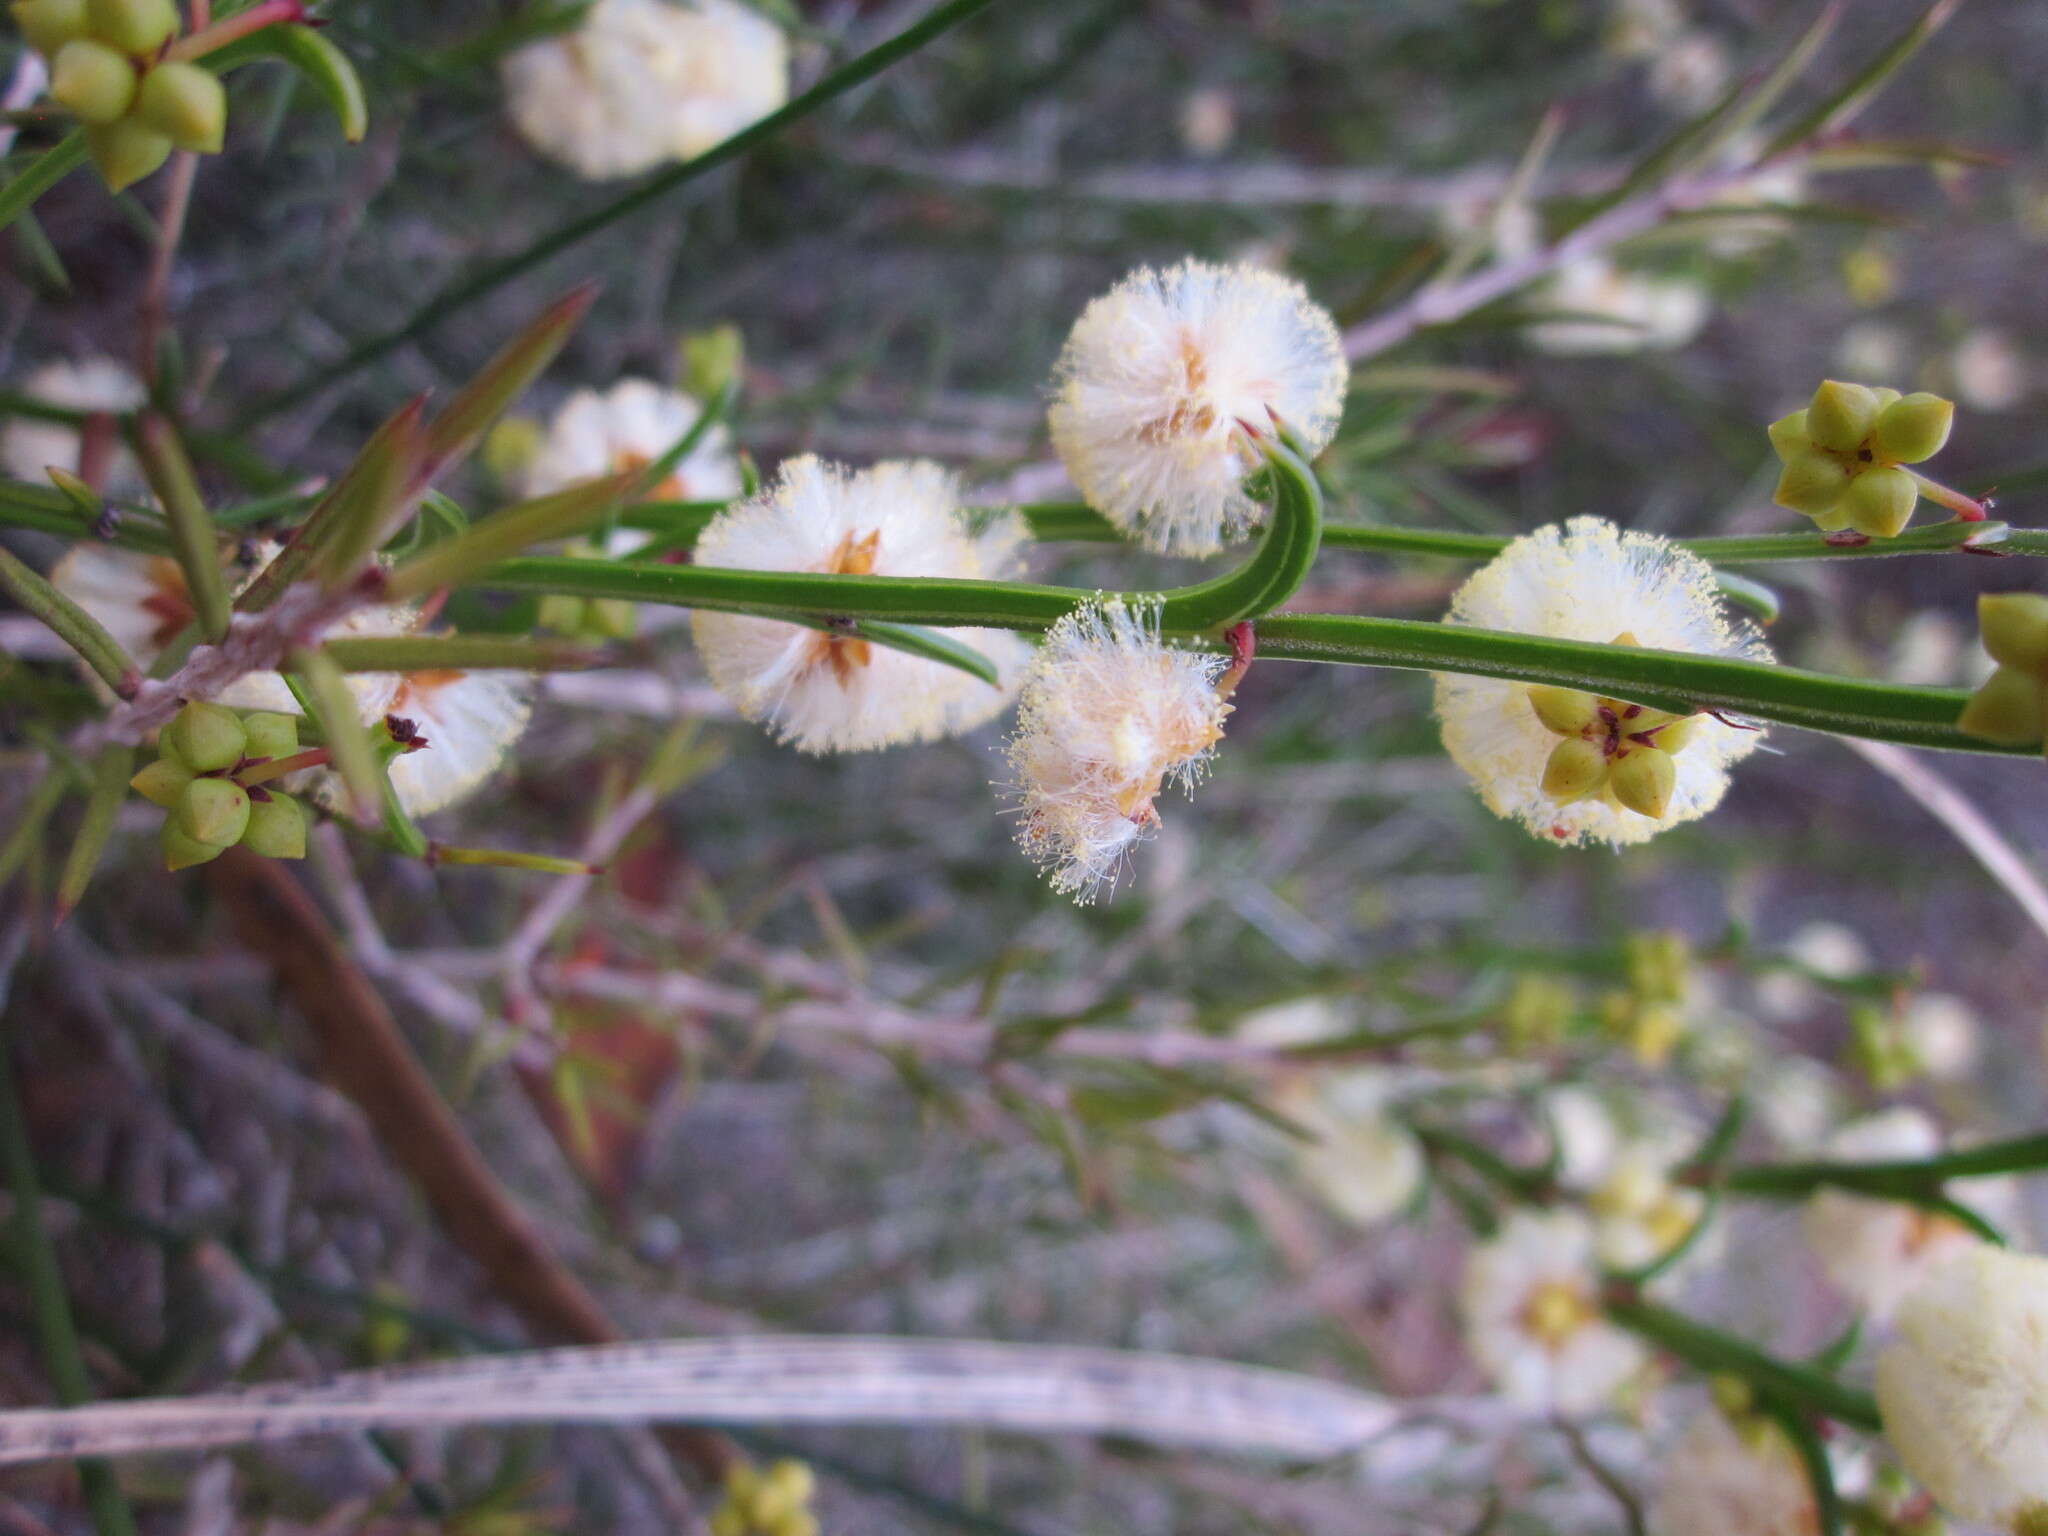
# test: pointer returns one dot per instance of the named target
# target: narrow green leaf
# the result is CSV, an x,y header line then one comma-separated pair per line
x,y
51,167
1710,1350
463,292
326,68
502,535
460,653
1838,110
508,858
503,380
1813,1457
192,536
70,623
110,772
21,839
931,644
1759,599
324,692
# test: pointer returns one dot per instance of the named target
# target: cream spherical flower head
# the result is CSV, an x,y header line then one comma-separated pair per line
x,y
1160,378
469,719
1530,1300
1588,580
1724,1479
30,447
830,692
1963,1389
1876,1252
1617,311
638,82
1108,717
1363,1163
629,427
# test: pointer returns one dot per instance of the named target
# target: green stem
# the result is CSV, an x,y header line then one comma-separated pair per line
x,y
460,653
70,623
1714,1352
55,1332
494,275
1904,1179
170,476
43,173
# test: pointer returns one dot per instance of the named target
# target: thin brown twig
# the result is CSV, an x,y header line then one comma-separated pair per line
x,y
156,288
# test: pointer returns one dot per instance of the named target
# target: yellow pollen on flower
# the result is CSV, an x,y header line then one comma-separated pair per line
x,y
628,461
845,654
1555,1311
1192,415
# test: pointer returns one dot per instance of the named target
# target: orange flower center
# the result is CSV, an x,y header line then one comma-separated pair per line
x,y
844,654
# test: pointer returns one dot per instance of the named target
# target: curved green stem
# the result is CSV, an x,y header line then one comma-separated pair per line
x,y
1711,1350
1903,1178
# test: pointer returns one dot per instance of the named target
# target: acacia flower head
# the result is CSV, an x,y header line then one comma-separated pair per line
x,y
1613,310
1162,376
30,447
1108,717
1533,1320
629,427
637,82
1964,1387
1733,1479
826,690
1573,767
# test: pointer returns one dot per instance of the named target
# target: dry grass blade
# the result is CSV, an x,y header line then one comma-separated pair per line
x,y
1169,1399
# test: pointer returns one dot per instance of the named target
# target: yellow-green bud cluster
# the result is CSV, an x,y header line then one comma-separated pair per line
x,y
1659,965
207,776
2012,706
1881,1049
1539,1011
1621,752
106,69
590,618
1843,456
771,1501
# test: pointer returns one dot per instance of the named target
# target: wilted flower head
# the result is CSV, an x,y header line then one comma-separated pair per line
x,y
1531,1305
1724,1479
825,691
469,719
1877,1251
1614,311
1964,1387
1588,580
1108,716
638,82
629,427
29,447
1160,378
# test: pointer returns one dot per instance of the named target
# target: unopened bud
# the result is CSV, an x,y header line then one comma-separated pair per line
x,y
712,359
125,152
270,734
49,24
1674,735
2015,629
1913,428
206,737
795,1522
213,811
135,27
95,83
729,1520
611,618
510,446
1566,711
1841,415
186,104
1788,435
1811,482
1880,502
162,782
182,852
2008,709
791,1479
1575,770
1643,781
277,827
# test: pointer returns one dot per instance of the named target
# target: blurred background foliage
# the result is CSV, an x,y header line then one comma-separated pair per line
x,y
903,266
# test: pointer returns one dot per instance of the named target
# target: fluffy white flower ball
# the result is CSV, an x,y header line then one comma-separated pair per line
x,y
827,692
1588,580
1531,1306
1109,715
1157,376
1964,1387
643,81
1721,1480
29,446
629,427
1616,311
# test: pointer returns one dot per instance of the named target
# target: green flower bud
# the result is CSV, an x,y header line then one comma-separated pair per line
x,y
2008,709
729,1520
1886,398
93,81
1575,770
182,852
1841,415
270,734
186,104
511,445
277,827
134,26
712,359
214,811
1913,428
1674,734
1880,502
49,24
791,1479
611,618
1833,520
162,782
1643,781
1566,711
794,1522
206,737
1811,483
125,152
2015,627
561,614
1788,435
